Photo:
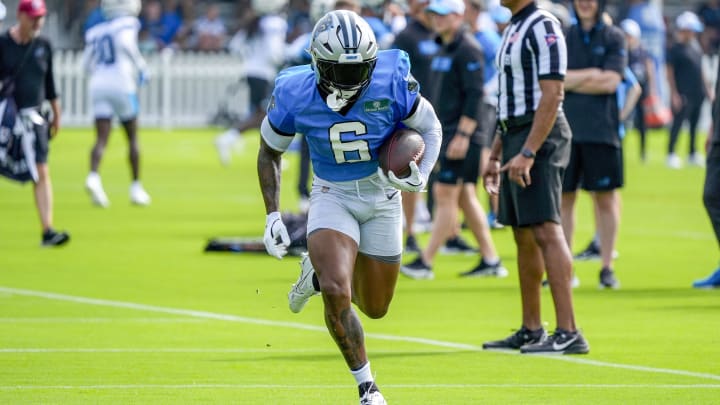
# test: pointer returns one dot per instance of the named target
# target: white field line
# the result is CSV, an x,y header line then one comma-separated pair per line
x,y
102,320
295,325
344,386
269,350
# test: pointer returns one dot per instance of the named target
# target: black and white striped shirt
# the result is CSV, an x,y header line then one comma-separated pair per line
x,y
532,49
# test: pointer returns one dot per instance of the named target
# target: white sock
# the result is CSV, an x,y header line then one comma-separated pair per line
x,y
363,374
136,183
492,261
231,135
93,175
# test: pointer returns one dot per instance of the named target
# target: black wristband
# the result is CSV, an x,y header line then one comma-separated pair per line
x,y
527,153
463,133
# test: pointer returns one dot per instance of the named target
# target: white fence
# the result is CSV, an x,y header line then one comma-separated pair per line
x,y
185,89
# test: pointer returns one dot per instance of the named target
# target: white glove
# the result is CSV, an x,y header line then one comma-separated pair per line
x,y
276,236
412,183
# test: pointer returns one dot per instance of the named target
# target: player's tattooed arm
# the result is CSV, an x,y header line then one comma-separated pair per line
x,y
268,167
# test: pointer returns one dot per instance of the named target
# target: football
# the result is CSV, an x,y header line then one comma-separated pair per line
x,y
402,147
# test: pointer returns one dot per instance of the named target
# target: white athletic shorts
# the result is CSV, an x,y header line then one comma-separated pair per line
x,y
364,210
109,103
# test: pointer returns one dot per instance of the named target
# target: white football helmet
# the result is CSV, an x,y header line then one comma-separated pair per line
x,y
119,8
263,7
344,51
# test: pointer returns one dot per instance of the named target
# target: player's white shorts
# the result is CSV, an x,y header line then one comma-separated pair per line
x,y
364,210
109,103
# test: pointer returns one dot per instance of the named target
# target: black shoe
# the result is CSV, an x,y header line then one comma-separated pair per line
x,y
411,245
53,238
560,342
591,252
457,245
522,337
486,270
608,280
370,394
418,270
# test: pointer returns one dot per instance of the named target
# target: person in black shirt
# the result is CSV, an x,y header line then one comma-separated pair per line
x,y
456,93
711,192
687,85
596,64
21,46
418,40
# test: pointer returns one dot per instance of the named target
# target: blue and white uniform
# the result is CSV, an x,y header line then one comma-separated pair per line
x,y
116,67
347,195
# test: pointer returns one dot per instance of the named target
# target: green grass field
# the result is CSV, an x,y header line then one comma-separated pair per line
x,y
132,310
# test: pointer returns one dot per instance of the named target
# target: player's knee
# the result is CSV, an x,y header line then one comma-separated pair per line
x,y
375,310
334,290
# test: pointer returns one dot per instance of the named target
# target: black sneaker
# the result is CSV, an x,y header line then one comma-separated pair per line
x,y
560,342
486,270
591,252
411,245
370,394
457,245
53,238
522,337
607,279
417,270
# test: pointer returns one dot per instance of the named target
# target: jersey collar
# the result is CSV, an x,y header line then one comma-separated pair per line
x,y
522,14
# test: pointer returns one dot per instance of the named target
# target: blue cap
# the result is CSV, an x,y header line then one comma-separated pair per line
x,y
445,7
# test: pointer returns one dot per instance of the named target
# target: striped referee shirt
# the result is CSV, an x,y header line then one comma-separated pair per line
x,y
532,49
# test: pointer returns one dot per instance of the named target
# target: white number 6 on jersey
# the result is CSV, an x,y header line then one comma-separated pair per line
x,y
359,146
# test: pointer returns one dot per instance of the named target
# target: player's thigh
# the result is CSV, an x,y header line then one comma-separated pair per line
x,y
374,284
102,104
602,168
127,106
333,255
381,231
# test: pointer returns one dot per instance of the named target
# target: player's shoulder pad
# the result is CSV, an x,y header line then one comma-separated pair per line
x,y
294,83
395,64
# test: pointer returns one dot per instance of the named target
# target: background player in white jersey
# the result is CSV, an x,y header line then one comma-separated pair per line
x,y
262,46
353,98
116,69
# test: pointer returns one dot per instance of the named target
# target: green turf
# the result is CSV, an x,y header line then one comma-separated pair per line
x,y
654,341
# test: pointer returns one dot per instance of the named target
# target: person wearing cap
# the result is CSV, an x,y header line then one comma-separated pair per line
x,y
597,59
641,64
688,87
418,40
456,93
526,168
26,58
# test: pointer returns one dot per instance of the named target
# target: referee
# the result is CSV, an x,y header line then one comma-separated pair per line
x,y
534,145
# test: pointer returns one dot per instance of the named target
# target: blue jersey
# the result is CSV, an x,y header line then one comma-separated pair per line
x,y
490,42
345,147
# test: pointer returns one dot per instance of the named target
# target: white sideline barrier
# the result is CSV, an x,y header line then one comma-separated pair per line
x,y
184,88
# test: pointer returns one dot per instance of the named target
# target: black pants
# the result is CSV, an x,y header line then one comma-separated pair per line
x,y
711,194
690,110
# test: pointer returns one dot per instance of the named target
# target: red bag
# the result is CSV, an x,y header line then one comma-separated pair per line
x,y
657,115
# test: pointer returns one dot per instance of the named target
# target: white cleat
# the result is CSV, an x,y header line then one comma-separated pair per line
x,y
674,161
303,289
94,187
373,398
696,159
138,195
225,143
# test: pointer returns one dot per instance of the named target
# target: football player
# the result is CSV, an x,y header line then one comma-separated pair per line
x,y
116,69
346,103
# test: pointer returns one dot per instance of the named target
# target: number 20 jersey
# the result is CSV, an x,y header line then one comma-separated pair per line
x,y
112,55
345,147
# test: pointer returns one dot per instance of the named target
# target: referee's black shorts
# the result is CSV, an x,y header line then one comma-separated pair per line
x,y
539,202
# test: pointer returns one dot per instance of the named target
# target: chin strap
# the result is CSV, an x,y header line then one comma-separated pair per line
x,y
339,98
